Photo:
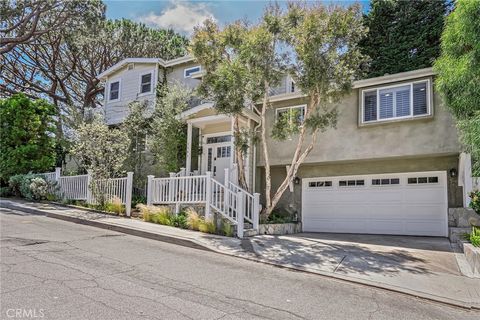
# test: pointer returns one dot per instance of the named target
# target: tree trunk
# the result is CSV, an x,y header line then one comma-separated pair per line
x,y
239,156
268,178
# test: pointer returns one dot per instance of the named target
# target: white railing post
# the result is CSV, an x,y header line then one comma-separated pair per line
x,y
208,195
150,189
171,187
58,172
240,213
256,210
89,187
128,195
226,195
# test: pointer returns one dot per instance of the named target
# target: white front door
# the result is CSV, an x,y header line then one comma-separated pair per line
x,y
411,203
218,159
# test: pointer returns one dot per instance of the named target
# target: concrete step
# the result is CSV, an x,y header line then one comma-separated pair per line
x,y
249,232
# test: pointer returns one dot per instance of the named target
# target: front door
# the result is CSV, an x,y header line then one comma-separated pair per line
x,y
218,158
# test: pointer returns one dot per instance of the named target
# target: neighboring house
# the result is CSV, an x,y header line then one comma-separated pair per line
x,y
392,166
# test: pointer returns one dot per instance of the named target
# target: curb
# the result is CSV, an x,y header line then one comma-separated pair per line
x,y
195,245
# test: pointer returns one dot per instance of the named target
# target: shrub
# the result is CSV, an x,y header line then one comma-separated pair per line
x,y
207,226
475,203
38,188
5,192
227,228
160,215
193,219
115,206
278,216
136,200
15,183
180,220
475,236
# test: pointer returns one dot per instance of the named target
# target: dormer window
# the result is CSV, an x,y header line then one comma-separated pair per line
x,y
189,71
404,101
146,83
114,91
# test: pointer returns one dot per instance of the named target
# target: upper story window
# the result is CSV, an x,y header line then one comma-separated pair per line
x,y
114,91
292,115
188,72
146,83
408,100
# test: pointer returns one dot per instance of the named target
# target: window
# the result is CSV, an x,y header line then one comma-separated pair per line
x,y
295,113
351,183
319,184
146,83
219,139
383,182
114,93
422,180
396,102
223,152
187,73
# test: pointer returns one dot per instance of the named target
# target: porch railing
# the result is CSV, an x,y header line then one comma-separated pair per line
x,y
230,201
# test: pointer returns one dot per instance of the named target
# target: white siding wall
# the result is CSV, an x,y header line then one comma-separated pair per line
x,y
116,111
176,74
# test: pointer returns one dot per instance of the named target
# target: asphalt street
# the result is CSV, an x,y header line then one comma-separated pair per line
x,y
60,270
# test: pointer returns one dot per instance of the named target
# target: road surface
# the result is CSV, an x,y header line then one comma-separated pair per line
x,y
54,269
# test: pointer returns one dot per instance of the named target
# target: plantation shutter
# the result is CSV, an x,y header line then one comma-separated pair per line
x,y
402,101
386,104
370,106
420,98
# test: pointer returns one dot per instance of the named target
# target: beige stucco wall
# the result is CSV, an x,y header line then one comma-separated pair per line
x,y
435,135
176,74
292,201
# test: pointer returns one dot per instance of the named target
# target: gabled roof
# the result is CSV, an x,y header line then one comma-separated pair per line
x,y
160,61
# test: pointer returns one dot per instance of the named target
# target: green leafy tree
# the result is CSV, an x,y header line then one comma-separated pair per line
x,y
458,71
403,35
27,136
244,62
100,149
168,139
137,127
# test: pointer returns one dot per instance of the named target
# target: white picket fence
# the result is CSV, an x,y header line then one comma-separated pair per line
x,y
83,187
227,199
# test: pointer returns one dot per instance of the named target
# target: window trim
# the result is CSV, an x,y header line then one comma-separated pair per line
x,y
393,119
119,90
304,106
190,68
152,83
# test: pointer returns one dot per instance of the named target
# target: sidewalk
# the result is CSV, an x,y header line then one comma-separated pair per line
x,y
418,266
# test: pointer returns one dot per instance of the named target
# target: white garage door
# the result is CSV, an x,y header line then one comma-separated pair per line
x,y
413,203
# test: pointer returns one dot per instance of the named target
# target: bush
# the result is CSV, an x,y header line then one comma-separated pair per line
x,y
475,203
29,186
207,226
193,219
115,206
227,228
160,215
136,200
278,216
180,220
15,183
475,236
5,192
38,188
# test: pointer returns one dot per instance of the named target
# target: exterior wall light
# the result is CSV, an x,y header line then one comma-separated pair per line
x,y
296,180
453,172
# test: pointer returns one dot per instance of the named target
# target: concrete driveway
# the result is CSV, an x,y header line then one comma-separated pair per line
x,y
411,264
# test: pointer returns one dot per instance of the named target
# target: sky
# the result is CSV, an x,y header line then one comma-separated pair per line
x,y
182,16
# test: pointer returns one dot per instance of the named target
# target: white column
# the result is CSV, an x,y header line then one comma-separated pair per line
x,y
208,195
150,189
465,176
128,195
240,213
58,172
189,148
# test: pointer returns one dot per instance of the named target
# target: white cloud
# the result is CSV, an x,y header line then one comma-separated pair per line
x,y
180,16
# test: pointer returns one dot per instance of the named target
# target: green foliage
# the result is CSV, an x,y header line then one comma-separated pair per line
x,y
475,200
168,141
160,215
101,149
278,216
30,186
5,192
227,228
207,226
475,236
458,71
136,199
15,182
180,220
193,219
137,127
39,188
27,136
403,35
115,206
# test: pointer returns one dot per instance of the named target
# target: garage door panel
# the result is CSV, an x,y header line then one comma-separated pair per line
x,y
400,208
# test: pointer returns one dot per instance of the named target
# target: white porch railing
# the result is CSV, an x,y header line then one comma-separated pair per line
x,y
232,202
79,187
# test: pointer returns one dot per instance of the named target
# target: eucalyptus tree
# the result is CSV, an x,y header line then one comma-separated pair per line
x,y
315,44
